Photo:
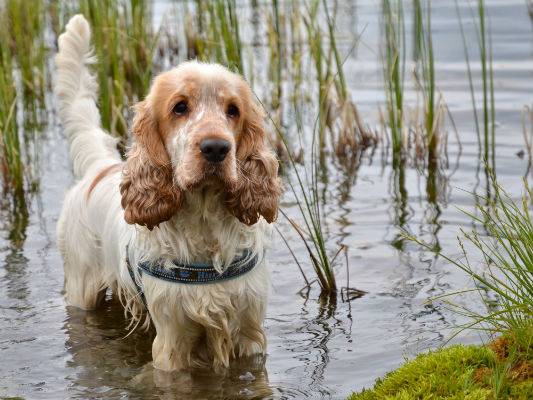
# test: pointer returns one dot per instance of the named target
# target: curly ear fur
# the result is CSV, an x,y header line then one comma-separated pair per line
x,y
148,194
259,187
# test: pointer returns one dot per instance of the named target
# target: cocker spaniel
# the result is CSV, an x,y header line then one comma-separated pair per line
x,y
180,228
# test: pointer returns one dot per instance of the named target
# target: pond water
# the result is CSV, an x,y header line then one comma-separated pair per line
x,y
317,348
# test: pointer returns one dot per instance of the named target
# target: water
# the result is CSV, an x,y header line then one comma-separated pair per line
x,y
317,348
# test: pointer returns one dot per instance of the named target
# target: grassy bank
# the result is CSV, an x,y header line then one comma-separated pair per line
x,y
458,372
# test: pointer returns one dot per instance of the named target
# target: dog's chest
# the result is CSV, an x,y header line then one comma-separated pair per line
x,y
202,229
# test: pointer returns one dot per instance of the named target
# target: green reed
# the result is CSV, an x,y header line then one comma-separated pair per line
x,y
306,194
276,61
124,43
26,22
220,41
336,113
12,164
426,65
418,29
322,69
304,185
351,134
22,85
394,69
486,133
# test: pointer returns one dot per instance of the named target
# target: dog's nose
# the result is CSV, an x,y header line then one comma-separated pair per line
x,y
215,150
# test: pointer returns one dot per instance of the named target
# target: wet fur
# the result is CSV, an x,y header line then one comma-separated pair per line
x,y
165,202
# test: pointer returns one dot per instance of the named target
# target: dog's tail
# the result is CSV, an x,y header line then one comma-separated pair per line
x,y
76,88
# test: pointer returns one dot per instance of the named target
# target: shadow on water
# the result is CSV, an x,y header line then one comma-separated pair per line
x,y
107,363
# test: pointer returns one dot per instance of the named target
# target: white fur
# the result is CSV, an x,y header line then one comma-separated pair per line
x,y
195,324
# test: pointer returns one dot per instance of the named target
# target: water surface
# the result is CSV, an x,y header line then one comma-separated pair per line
x,y
317,348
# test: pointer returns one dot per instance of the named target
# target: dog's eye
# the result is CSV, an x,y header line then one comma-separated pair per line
x,y
180,108
233,112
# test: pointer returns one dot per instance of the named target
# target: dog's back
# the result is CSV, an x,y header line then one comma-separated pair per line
x,y
87,229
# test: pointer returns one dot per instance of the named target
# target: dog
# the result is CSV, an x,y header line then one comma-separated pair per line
x,y
180,227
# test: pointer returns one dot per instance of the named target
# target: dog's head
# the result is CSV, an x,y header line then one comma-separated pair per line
x,y
198,126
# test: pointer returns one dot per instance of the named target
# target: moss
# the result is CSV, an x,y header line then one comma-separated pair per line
x,y
442,374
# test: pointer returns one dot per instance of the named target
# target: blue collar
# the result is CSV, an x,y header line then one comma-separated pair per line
x,y
191,273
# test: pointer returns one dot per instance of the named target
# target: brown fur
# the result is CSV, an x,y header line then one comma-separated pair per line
x,y
148,194
101,175
259,187
154,178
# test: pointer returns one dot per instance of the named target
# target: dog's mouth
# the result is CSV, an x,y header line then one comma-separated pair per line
x,y
213,174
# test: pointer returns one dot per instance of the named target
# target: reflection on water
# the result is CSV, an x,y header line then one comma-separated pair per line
x,y
15,217
106,362
400,204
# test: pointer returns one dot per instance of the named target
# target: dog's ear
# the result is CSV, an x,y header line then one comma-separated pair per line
x,y
259,187
148,194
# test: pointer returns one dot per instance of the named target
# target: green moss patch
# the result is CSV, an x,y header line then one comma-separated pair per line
x,y
442,374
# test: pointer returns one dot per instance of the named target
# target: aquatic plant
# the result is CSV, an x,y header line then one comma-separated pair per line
x,y
425,79
219,40
11,161
336,112
304,184
124,43
306,195
486,133
22,85
26,21
507,272
351,134
527,119
393,58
